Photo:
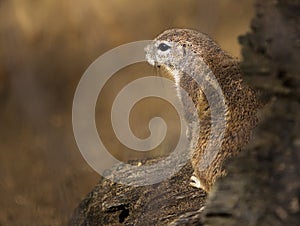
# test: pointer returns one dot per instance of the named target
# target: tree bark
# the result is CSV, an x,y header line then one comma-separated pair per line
x,y
263,183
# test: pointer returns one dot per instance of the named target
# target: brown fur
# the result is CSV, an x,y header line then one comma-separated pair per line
x,y
240,99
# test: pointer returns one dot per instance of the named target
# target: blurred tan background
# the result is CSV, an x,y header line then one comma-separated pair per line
x,y
45,46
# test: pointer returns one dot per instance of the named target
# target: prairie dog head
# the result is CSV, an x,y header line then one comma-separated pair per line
x,y
178,51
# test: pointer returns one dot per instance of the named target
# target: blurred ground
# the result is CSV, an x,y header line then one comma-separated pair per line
x,y
45,46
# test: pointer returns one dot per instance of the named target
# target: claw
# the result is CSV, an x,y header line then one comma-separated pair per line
x,y
195,182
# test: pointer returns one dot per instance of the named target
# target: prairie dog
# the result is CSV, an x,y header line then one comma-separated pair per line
x,y
190,55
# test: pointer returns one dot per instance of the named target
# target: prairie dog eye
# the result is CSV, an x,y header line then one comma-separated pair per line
x,y
163,47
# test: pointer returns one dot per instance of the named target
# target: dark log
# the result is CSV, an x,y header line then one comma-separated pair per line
x,y
263,183
116,204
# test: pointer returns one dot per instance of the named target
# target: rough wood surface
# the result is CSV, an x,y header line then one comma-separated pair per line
x,y
263,184
116,204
